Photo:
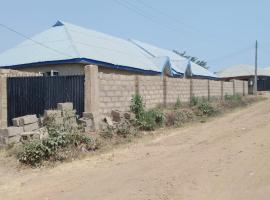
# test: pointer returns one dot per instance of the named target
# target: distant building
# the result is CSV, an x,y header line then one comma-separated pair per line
x,y
246,72
66,48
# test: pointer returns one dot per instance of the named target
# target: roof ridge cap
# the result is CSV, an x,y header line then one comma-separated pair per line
x,y
71,41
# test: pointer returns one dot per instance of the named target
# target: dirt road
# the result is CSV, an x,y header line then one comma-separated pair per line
x,y
227,158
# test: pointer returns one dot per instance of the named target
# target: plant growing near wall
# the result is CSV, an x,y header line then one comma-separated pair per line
x,y
178,104
137,106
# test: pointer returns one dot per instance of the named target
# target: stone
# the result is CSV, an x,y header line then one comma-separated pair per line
x,y
30,135
17,121
129,116
87,124
69,113
108,120
29,119
11,131
30,127
52,114
10,140
65,106
59,121
43,133
88,115
117,115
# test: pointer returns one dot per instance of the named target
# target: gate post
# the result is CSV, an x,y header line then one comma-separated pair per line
x,y
3,102
91,94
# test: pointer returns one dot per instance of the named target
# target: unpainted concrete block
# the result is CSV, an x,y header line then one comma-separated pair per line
x,y
17,121
11,131
30,135
29,119
65,106
31,127
52,114
88,115
69,113
117,115
9,140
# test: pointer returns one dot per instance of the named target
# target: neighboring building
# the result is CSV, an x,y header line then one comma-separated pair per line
x,y
66,49
246,72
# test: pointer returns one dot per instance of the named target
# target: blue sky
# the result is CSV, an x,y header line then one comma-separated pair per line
x,y
220,32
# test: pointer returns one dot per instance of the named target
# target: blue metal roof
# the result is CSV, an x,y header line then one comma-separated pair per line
x,y
68,43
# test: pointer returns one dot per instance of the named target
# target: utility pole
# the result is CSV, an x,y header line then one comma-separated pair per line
x,y
256,68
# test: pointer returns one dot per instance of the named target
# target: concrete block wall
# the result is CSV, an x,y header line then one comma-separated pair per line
x,y
151,90
238,87
215,89
177,87
116,92
200,88
227,88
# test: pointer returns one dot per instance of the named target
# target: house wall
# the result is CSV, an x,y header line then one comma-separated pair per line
x,y
73,69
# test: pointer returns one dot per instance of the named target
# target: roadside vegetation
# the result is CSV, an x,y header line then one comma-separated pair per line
x,y
69,143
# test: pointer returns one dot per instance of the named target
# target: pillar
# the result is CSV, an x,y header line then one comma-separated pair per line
x,y
3,102
91,92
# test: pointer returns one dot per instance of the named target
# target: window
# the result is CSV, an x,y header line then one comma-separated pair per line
x,y
51,73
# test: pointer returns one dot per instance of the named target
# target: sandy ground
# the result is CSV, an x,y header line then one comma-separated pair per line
x,y
227,158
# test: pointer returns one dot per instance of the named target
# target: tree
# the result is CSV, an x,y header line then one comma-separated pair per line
x,y
202,63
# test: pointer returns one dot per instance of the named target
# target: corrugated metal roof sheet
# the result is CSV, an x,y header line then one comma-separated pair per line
x,y
178,63
66,41
242,70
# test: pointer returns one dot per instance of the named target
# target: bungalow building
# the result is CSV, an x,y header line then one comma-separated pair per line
x,y
247,73
66,48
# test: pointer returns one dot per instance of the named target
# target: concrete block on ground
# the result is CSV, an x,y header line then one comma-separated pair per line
x,y
69,113
88,115
87,124
117,115
30,135
4,141
52,114
129,116
29,119
11,131
17,121
65,106
31,127
108,120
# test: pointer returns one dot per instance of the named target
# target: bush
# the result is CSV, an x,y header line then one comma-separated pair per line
x,y
178,104
179,117
206,108
235,97
37,151
194,101
150,120
137,106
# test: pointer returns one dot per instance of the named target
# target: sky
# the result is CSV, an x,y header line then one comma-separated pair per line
x,y
223,32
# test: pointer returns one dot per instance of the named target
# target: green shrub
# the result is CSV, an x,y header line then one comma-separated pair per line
x,y
37,151
206,108
194,101
179,117
235,97
150,120
137,106
178,104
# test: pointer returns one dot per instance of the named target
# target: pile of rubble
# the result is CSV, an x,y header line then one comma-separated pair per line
x,y
24,128
117,118
30,127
